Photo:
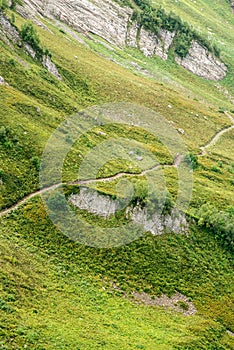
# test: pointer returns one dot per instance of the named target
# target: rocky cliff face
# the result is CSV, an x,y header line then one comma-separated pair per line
x,y
202,63
113,23
105,206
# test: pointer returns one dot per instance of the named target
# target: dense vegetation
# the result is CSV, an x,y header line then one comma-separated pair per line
x,y
219,222
4,4
30,36
155,19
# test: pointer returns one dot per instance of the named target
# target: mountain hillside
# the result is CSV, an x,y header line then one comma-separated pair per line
x,y
116,174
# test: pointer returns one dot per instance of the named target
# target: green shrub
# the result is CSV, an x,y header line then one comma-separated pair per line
x,y
215,169
29,35
56,202
154,201
36,162
3,135
62,31
220,222
191,160
183,44
1,174
14,3
5,307
182,305
140,193
12,19
124,3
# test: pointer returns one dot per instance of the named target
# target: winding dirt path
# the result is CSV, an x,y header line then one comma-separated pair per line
x,y
27,198
85,182
116,176
216,137
177,161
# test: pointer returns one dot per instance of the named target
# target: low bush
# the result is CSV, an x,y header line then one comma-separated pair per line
x,y
220,223
191,160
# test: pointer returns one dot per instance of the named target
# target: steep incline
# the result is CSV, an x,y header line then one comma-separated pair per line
x,y
113,23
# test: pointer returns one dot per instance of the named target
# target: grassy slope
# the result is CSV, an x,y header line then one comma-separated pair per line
x,y
63,298
84,84
72,276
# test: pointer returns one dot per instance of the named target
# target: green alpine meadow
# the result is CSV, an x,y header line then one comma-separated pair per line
x,y
116,174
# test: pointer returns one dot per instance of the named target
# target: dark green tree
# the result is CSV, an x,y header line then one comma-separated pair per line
x,y
4,5
29,35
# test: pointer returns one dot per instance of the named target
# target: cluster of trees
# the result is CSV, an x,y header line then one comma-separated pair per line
x,y
30,36
219,222
191,160
4,4
124,2
153,19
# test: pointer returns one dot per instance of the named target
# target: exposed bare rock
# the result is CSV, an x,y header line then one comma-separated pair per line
x,y
112,22
51,67
230,333
8,31
158,223
103,205
202,63
45,61
94,202
148,43
232,5
177,302
2,81
104,18
151,44
166,38
131,35
181,131
29,50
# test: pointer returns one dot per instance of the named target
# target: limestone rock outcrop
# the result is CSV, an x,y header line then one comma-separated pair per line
x,y
103,205
108,20
94,202
202,63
